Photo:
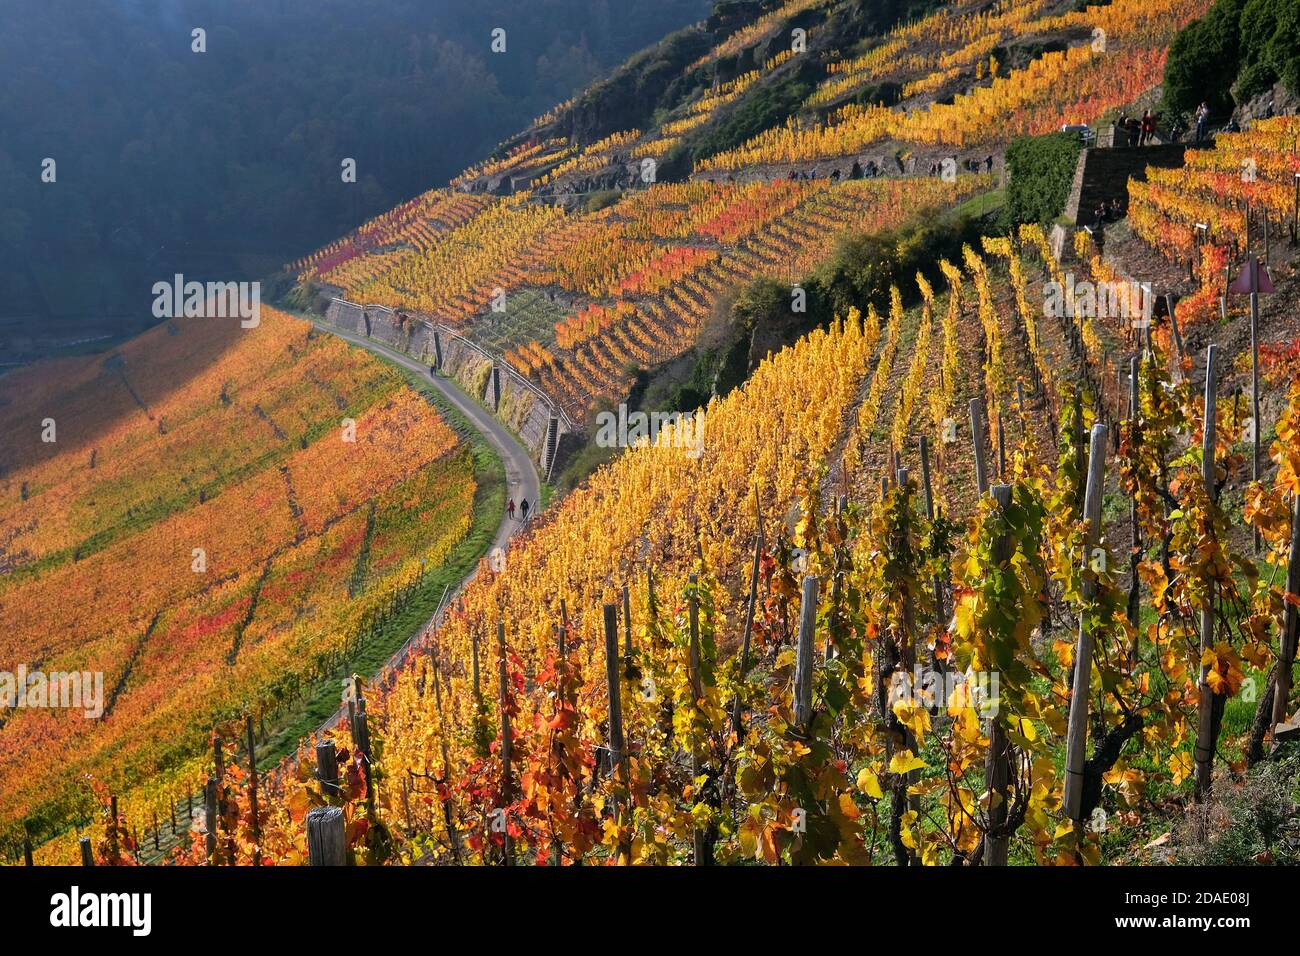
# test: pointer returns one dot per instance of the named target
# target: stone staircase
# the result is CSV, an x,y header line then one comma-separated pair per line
x,y
550,445
1102,175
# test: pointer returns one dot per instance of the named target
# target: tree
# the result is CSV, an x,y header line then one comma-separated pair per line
x,y
1204,60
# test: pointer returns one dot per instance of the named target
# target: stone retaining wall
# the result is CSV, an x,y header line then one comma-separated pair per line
x,y
514,403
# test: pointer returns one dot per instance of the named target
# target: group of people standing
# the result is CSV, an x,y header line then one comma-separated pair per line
x,y
969,164
1131,131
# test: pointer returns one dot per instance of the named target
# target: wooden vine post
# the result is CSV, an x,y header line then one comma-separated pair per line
x,y
1077,407
326,841
361,738
837,578
1077,733
219,759
87,854
563,639
703,855
909,644
327,768
478,692
507,742
1227,281
1290,637
1295,207
749,618
352,706
997,766
977,438
926,483
210,820
1246,213
617,764
1179,351
1135,528
1205,736
803,665
449,816
1255,423
940,611
252,795
1002,449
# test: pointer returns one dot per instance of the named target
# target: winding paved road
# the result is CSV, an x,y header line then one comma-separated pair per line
x,y
522,480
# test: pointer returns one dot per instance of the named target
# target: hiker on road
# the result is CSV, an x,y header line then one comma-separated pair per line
x,y
523,510
510,507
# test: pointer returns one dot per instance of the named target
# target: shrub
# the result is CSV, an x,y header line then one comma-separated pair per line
x,y
1271,36
864,266
1249,824
1040,170
605,197
764,301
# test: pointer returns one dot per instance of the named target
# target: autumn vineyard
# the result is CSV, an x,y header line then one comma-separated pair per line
x,y
985,550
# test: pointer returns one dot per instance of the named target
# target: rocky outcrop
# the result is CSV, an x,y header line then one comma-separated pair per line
x,y
1279,101
629,98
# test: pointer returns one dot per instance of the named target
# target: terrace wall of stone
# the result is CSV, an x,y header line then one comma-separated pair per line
x,y
520,405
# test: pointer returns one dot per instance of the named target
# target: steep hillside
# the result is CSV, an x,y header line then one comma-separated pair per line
x,y
210,519
757,643
589,254
579,302
659,701
956,540
813,82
